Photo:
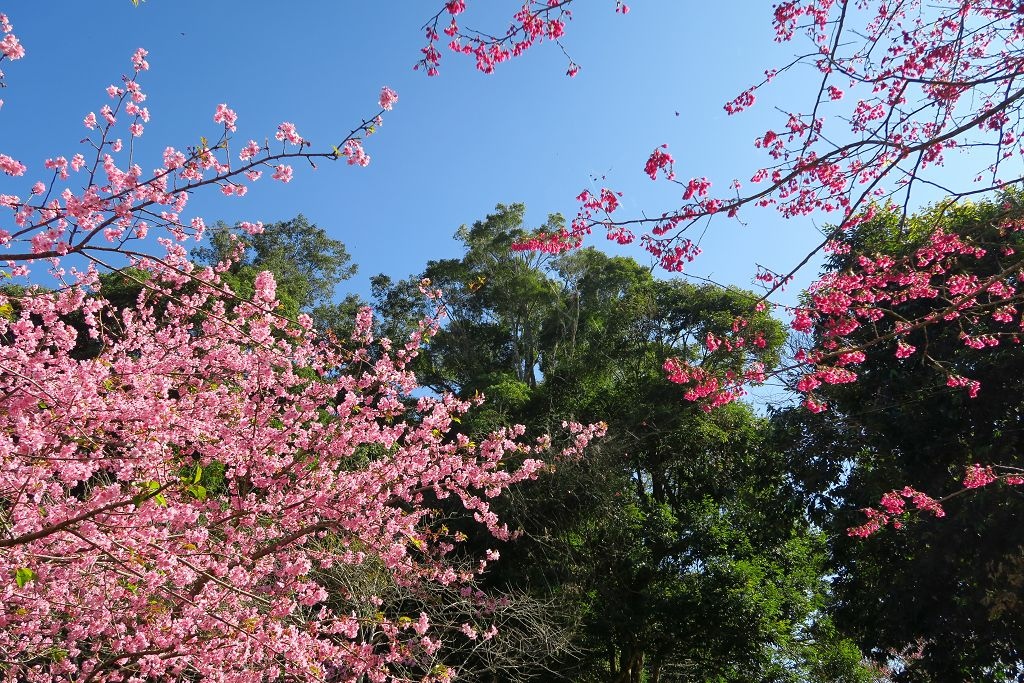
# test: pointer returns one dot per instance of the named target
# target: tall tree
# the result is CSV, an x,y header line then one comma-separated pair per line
x,y
496,300
683,518
934,598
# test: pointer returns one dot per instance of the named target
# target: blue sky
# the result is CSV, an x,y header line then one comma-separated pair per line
x,y
456,144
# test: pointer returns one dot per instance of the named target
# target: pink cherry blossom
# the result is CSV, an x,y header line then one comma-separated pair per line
x,y
388,98
11,166
283,172
226,116
286,133
139,60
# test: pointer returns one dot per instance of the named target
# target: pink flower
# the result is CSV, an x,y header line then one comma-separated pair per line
x,y
60,164
904,350
173,159
226,116
11,48
283,173
265,286
251,149
388,97
286,133
815,406
135,110
973,386
139,60
90,120
660,161
251,228
978,476
11,166
893,503
357,156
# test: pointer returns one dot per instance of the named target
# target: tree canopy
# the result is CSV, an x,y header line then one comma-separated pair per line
x,y
934,598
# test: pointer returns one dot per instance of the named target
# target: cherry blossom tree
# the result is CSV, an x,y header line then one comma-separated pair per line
x,y
907,96
192,499
903,87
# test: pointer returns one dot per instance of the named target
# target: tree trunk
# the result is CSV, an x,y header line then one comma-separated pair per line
x,y
631,666
637,667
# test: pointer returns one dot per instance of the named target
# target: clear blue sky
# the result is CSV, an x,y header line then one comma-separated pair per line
x,y
455,145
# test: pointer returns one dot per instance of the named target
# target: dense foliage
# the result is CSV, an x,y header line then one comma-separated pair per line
x,y
933,598
677,550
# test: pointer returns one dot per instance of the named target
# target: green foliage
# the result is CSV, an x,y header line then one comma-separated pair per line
x,y
930,600
677,545
23,576
307,265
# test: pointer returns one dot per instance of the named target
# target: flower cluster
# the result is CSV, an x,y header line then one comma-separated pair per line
x,y
183,479
115,200
893,503
894,506
115,522
535,22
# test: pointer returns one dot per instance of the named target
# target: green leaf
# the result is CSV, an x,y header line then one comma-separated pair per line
x,y
149,488
198,490
198,475
23,575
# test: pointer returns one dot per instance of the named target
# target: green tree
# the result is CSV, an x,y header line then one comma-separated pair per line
x,y
937,599
307,265
677,550
497,301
